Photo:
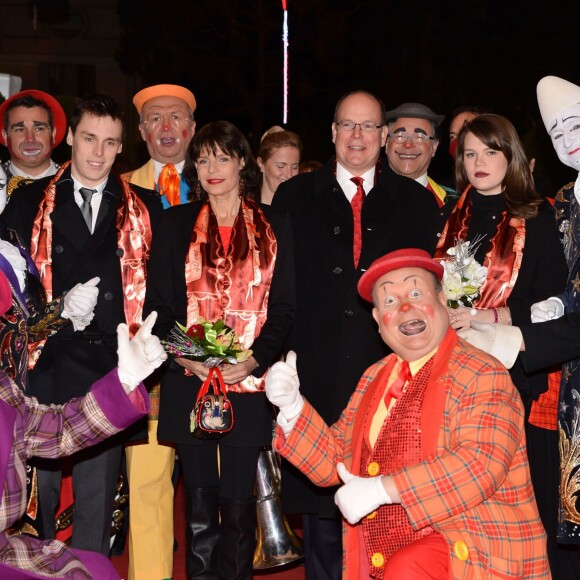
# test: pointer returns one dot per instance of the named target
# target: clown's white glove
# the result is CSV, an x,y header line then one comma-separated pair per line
x,y
499,340
282,390
359,496
79,303
138,357
16,260
547,309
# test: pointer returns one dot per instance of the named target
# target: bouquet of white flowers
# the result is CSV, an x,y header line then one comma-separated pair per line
x,y
463,276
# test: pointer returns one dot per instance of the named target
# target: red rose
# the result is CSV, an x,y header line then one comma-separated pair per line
x,y
196,331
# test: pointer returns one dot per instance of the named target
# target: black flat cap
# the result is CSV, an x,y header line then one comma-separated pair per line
x,y
414,111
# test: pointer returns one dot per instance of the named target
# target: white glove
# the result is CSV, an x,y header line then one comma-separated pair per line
x,y
282,390
79,303
16,260
359,496
547,309
138,357
499,340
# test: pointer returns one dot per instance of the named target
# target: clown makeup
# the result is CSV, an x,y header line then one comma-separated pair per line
x,y
167,127
410,311
413,157
29,139
565,135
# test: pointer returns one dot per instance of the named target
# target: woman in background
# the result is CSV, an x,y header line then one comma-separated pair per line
x,y
278,159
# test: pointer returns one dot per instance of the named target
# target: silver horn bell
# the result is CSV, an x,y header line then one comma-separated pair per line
x,y
277,543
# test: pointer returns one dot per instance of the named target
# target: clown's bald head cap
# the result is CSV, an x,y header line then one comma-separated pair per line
x,y
555,95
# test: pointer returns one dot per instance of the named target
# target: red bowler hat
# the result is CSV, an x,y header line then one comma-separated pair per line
x,y
407,258
5,294
58,115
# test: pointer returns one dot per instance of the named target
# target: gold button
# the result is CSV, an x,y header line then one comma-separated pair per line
x,y
461,550
372,515
373,469
377,560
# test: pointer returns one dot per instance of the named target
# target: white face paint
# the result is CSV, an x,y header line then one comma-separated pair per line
x,y
565,134
3,193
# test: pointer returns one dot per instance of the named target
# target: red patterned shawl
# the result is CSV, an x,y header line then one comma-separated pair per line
x,y
232,283
503,259
134,238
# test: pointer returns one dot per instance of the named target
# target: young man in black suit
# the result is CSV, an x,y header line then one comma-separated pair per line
x,y
80,223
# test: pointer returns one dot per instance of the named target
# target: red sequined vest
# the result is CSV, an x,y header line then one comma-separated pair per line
x,y
398,446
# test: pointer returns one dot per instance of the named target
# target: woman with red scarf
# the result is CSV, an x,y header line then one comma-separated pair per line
x,y
223,256
525,263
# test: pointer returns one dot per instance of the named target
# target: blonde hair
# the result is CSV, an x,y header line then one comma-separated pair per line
x,y
276,137
274,129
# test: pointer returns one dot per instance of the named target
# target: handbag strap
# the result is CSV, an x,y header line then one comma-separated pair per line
x,y
214,380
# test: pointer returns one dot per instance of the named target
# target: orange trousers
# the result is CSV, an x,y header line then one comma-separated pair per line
x,y
425,559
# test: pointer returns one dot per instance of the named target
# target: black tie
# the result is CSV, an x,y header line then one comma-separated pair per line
x,y
86,208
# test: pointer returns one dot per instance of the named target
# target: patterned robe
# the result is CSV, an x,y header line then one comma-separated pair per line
x,y
568,219
27,320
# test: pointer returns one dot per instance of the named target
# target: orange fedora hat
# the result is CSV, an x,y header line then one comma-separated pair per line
x,y
163,91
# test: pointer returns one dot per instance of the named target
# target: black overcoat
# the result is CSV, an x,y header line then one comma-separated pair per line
x,y
166,293
71,361
335,336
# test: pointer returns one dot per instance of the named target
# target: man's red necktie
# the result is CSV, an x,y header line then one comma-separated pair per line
x,y
356,203
396,387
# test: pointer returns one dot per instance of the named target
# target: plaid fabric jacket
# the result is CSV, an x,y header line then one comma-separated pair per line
x,y
474,489
29,429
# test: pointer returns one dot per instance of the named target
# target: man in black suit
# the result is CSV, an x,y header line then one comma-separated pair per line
x,y
335,336
81,223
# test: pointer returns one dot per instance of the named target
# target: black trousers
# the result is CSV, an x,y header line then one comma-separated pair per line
x,y
237,468
95,477
322,547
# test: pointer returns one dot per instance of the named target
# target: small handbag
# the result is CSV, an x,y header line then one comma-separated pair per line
x,y
212,415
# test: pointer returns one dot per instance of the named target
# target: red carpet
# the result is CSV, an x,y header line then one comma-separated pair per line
x,y
294,571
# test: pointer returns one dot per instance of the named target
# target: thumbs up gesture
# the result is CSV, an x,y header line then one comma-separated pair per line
x,y
282,387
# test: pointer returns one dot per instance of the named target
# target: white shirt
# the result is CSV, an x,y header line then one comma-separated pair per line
x,y
52,169
348,187
95,200
423,180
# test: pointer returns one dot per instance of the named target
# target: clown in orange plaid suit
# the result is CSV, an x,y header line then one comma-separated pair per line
x,y
437,482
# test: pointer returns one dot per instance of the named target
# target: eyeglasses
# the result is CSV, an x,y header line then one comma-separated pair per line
x,y
401,138
366,127
156,120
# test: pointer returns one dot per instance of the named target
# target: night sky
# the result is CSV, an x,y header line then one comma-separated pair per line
x,y
443,54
